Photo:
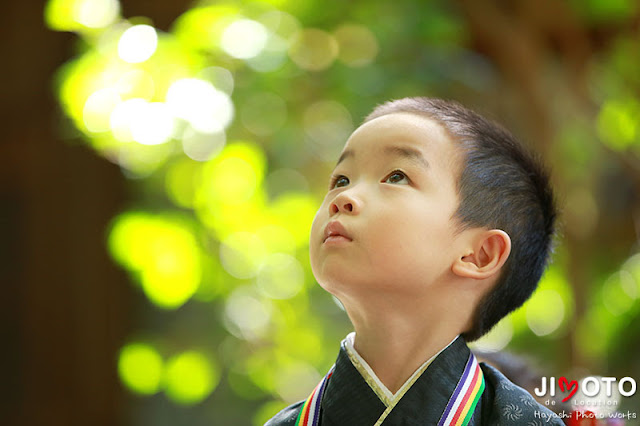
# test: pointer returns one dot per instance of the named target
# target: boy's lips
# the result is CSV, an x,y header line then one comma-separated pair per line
x,y
334,231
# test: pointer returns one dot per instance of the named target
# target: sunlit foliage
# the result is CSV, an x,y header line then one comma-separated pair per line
x,y
227,126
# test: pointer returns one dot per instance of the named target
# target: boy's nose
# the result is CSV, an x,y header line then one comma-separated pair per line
x,y
347,207
343,204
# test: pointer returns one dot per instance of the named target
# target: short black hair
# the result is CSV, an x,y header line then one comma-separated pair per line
x,y
501,185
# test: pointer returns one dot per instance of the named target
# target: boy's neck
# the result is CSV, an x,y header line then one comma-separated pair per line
x,y
395,343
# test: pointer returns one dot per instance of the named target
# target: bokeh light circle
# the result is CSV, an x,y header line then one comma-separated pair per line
x,y
244,38
140,368
98,108
153,124
281,276
313,49
190,377
545,312
294,379
497,338
123,117
203,146
96,13
200,104
137,44
221,78
242,254
357,45
247,315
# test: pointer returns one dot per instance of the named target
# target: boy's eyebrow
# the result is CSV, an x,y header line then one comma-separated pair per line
x,y
398,151
345,154
407,152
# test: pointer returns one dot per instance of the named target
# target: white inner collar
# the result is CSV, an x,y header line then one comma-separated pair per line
x,y
373,380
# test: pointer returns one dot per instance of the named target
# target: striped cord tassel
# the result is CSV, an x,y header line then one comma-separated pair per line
x,y
465,397
310,413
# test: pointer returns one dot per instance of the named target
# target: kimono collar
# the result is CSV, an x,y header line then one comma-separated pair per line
x,y
385,395
443,391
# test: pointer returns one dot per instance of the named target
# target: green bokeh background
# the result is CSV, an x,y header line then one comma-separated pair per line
x,y
227,123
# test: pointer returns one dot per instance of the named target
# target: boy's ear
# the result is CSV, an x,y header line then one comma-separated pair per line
x,y
489,251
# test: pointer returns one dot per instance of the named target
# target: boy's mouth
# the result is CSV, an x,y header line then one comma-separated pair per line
x,y
335,232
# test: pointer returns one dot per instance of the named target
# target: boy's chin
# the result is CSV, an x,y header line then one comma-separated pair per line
x,y
357,288
338,288
331,286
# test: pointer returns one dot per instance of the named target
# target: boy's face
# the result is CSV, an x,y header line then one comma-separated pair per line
x,y
386,225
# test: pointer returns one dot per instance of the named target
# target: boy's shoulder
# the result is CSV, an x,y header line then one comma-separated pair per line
x,y
510,404
287,416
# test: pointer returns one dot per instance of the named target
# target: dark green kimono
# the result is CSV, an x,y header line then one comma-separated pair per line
x,y
349,400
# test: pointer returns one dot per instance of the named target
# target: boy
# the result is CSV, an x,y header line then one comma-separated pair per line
x,y
436,225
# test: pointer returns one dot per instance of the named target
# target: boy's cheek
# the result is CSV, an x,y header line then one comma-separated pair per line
x,y
316,226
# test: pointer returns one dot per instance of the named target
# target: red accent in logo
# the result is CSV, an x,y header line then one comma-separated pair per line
x,y
571,386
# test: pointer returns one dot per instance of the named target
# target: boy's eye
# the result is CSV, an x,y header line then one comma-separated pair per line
x,y
397,177
339,181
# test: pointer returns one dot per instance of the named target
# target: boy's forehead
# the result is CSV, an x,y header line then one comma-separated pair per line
x,y
398,127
